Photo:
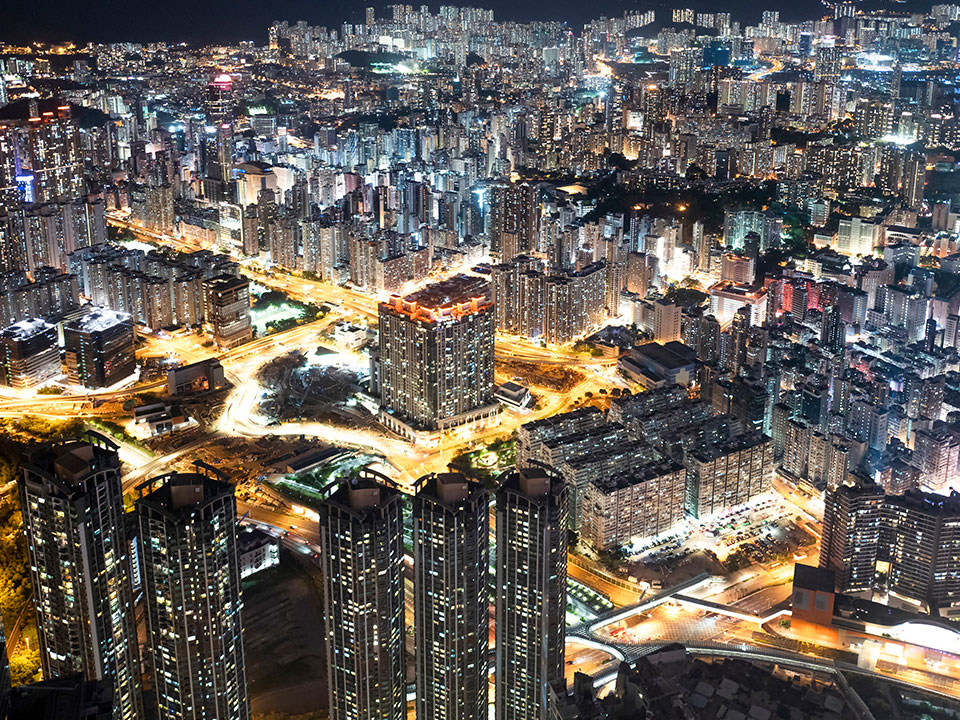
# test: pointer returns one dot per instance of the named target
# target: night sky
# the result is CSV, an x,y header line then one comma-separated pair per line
x,y
203,21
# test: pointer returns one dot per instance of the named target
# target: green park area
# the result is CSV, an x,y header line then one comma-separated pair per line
x,y
308,486
487,462
274,312
272,316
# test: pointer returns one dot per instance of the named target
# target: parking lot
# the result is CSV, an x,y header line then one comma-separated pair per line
x,y
765,531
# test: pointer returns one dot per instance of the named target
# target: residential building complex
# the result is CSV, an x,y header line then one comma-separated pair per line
x,y
436,356
361,536
530,590
194,604
72,503
451,561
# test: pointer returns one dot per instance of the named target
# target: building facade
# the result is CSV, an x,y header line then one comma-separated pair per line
x,y
29,354
194,605
728,474
72,503
99,349
642,502
361,536
530,591
851,535
226,303
451,540
436,356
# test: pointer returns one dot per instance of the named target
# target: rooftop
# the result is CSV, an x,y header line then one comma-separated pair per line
x,y
364,493
457,289
669,357
611,457
931,503
251,538
73,460
98,320
611,431
681,685
732,445
559,420
746,292
227,282
25,329
455,297
173,492
534,482
451,488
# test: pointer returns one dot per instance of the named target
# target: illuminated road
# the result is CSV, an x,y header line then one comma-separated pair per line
x,y
68,403
775,66
315,291
241,417
586,659
160,464
295,524
71,404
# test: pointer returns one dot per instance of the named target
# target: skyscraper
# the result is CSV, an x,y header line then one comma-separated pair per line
x,y
219,145
684,64
531,591
220,100
217,185
226,307
98,348
914,175
451,538
361,536
436,356
851,532
829,62
923,532
916,535
40,152
666,321
72,504
29,354
191,582
832,329
514,215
